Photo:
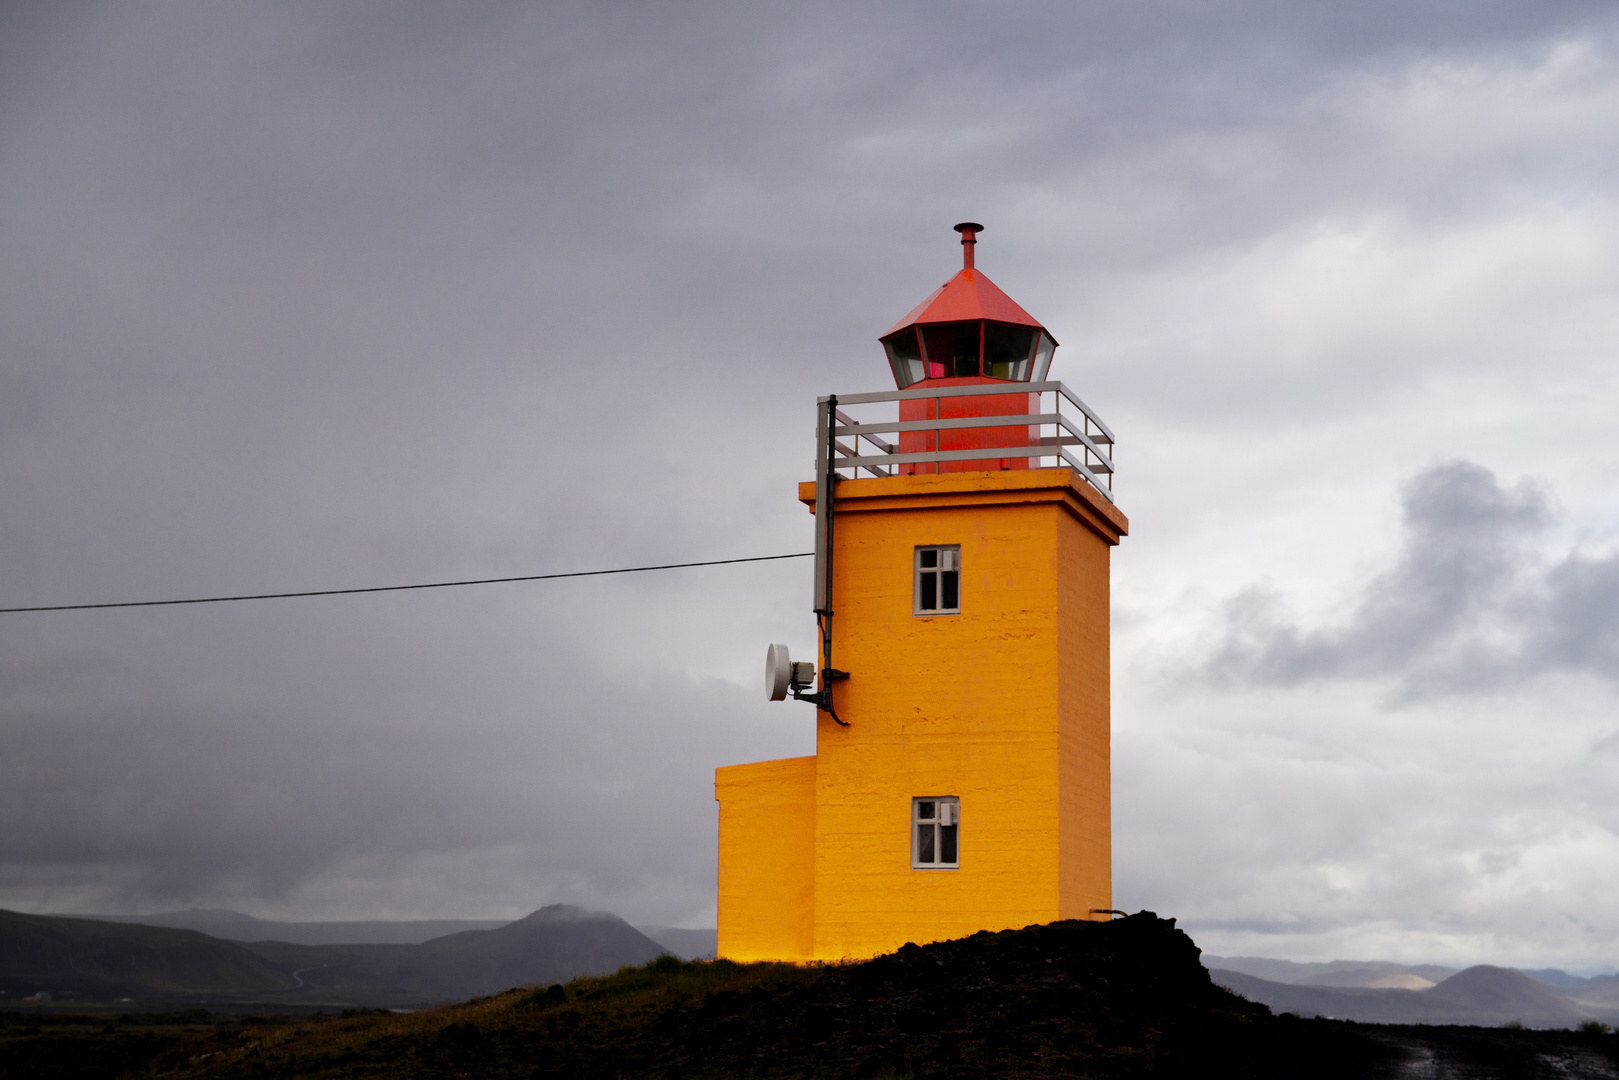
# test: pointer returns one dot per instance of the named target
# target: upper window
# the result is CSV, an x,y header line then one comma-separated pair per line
x,y
935,833
938,580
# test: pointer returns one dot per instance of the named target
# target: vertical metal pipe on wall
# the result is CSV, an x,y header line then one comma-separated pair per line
x,y
823,497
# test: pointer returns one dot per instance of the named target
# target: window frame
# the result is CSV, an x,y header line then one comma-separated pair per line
x,y
935,825
937,571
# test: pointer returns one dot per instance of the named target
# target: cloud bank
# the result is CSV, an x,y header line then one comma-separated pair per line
x,y
1468,607
315,296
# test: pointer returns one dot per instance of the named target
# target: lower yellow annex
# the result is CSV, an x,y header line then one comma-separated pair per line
x,y
992,715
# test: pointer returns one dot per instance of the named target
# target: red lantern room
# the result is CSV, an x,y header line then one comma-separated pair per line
x,y
968,333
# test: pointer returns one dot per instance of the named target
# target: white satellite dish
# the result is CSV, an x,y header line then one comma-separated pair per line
x,y
778,672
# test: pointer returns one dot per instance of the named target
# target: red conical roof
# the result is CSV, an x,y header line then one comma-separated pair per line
x,y
967,296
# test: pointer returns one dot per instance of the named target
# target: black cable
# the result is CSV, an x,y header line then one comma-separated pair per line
x,y
401,588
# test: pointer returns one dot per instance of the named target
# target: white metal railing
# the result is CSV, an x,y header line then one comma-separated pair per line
x,y
1080,428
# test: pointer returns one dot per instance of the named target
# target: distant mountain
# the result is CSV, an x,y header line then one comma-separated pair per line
x,y
1602,990
92,960
1600,993
1362,973
1507,994
554,944
234,926
100,961
1481,995
686,944
1556,978
1374,976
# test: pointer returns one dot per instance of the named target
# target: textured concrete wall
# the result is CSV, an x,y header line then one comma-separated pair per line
x,y
1084,740
1004,706
767,858
977,705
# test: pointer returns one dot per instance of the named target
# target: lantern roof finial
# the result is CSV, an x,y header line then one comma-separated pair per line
x,y
967,296
969,231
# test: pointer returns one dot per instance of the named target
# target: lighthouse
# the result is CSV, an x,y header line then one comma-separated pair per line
x,y
959,674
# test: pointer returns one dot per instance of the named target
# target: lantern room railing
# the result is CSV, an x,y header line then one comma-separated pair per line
x,y
1075,437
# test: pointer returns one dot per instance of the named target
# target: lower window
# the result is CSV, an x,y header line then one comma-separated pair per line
x,y
936,833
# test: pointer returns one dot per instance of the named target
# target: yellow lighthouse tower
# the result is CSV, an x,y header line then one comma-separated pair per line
x,y
961,777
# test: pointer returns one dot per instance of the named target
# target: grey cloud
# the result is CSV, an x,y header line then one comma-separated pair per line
x,y
129,789
313,295
1576,623
1468,606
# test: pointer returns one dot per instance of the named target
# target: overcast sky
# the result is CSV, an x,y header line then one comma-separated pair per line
x,y
303,296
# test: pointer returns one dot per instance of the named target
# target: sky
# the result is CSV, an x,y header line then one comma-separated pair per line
x,y
325,295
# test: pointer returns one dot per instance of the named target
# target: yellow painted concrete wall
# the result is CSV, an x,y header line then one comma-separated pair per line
x,y
1004,706
767,856
1085,808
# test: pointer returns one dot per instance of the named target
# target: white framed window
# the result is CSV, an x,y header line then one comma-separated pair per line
x,y
938,580
936,833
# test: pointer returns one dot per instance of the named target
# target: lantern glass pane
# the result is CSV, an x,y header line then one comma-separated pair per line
x,y
905,357
951,349
1042,356
1008,351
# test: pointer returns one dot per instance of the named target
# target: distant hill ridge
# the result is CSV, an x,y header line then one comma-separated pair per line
x,y
235,926
1482,995
1598,994
101,961
1372,974
94,960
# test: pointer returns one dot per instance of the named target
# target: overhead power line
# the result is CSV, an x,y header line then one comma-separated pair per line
x,y
403,588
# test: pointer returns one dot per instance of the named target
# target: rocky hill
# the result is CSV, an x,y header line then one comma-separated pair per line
x,y
1126,998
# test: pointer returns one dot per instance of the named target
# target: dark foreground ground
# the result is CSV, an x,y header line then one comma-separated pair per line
x,y
1116,999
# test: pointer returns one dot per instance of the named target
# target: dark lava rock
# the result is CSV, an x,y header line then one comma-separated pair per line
x,y
1071,998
